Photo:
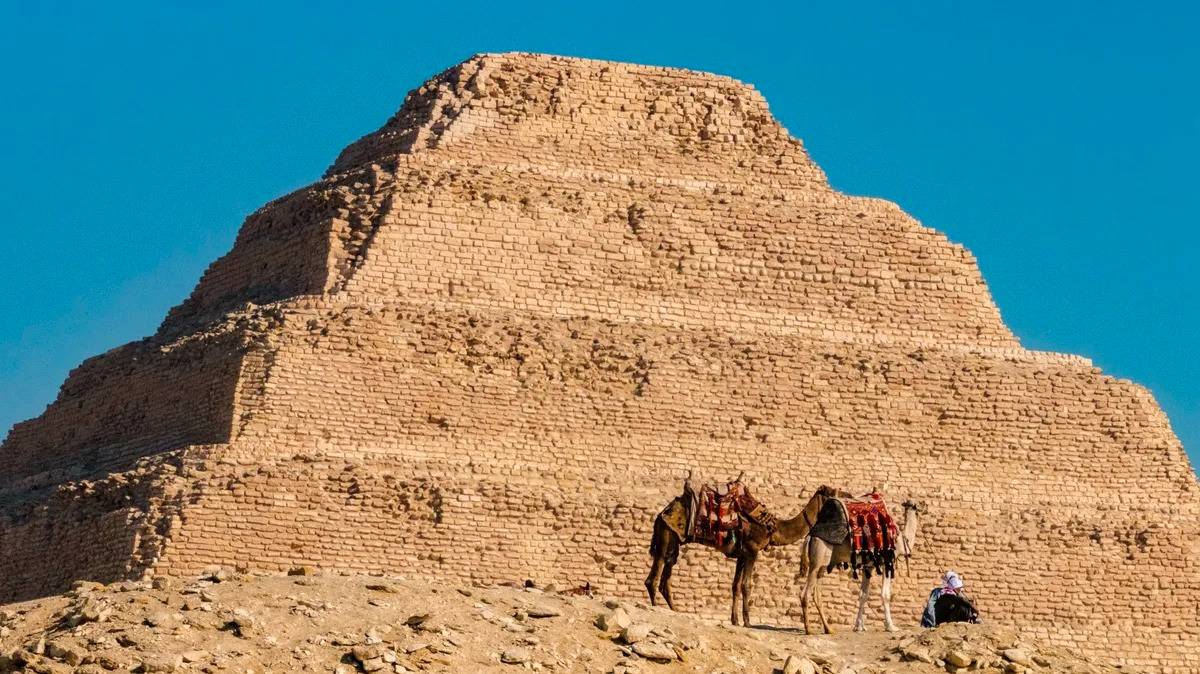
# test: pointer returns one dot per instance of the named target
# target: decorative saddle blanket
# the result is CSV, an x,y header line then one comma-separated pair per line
x,y
869,528
725,511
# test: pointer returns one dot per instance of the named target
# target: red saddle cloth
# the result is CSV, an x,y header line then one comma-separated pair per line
x,y
722,512
872,528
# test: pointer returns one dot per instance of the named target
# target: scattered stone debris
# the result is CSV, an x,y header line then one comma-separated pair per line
x,y
220,624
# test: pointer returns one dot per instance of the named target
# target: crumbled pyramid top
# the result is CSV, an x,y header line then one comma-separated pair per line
x,y
581,113
571,187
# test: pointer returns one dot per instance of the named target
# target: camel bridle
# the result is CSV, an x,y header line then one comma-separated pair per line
x,y
904,539
824,497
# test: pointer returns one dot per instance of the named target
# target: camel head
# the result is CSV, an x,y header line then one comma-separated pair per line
x,y
827,492
908,531
823,494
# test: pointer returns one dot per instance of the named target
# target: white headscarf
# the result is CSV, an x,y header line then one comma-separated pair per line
x,y
952,581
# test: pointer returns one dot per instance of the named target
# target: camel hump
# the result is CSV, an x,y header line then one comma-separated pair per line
x,y
833,522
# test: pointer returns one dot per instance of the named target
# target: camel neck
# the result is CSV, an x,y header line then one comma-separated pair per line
x,y
792,530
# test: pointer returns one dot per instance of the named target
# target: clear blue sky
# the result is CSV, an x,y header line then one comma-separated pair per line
x,y
1058,141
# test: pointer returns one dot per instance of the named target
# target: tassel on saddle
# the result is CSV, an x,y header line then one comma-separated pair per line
x,y
721,515
872,537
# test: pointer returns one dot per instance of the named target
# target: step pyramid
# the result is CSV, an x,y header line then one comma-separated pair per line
x,y
489,342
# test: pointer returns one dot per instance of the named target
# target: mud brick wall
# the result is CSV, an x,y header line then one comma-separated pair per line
x,y
282,250
489,343
492,447
103,530
133,401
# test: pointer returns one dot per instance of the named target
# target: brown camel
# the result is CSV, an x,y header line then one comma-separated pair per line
x,y
668,537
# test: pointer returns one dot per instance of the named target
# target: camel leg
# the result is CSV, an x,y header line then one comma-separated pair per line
x,y
817,600
809,589
863,594
664,585
661,540
748,587
818,558
886,592
737,589
656,568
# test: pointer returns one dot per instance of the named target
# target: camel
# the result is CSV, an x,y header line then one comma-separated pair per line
x,y
668,536
819,557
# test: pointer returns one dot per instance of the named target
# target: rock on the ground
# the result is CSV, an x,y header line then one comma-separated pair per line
x,y
958,658
654,650
618,619
635,633
244,624
515,656
916,653
798,665
1017,656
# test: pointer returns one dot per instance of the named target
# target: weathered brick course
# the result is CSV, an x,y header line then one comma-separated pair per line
x,y
489,342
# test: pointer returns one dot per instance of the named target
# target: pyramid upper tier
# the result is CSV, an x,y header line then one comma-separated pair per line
x,y
608,190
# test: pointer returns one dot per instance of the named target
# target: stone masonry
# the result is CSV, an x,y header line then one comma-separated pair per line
x,y
490,341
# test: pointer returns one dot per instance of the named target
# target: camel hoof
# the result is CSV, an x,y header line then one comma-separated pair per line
x,y
892,628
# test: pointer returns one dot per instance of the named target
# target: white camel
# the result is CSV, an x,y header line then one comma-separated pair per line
x,y
817,556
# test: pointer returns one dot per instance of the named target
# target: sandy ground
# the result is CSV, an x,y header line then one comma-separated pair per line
x,y
226,622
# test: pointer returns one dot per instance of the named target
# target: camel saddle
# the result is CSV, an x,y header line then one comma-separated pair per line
x,y
724,511
865,523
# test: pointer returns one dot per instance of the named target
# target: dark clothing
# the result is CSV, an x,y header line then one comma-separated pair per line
x,y
955,608
948,606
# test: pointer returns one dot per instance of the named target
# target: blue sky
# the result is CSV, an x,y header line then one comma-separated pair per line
x,y
1057,141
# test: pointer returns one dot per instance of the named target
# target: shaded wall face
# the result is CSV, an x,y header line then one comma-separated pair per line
x,y
46,552
103,530
282,250
475,447
134,401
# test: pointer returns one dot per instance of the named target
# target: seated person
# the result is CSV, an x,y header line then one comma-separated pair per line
x,y
949,603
